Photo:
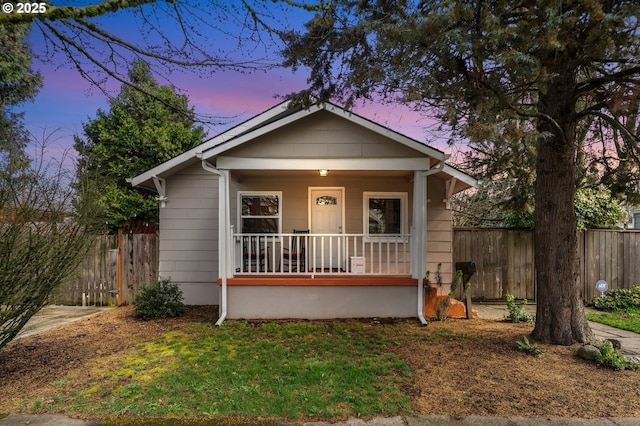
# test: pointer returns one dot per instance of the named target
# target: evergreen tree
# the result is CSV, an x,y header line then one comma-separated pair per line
x,y
146,125
18,84
546,71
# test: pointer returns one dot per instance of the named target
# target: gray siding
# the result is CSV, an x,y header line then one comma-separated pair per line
x,y
295,191
439,231
323,135
188,230
189,235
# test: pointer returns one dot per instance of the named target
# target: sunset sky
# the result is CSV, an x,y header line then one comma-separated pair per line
x,y
67,100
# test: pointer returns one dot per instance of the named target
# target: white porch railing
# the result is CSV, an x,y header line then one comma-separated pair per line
x,y
306,254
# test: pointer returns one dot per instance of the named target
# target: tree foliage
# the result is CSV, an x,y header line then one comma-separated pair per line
x,y
138,132
41,239
489,207
197,38
18,84
542,76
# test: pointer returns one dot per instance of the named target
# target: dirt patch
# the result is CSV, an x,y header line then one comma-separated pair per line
x,y
472,368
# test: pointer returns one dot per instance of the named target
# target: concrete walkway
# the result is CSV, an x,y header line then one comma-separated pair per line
x,y
54,316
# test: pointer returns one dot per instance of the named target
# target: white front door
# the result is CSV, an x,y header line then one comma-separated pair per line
x,y
326,217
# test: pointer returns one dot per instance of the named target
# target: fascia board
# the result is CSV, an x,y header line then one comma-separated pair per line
x,y
461,176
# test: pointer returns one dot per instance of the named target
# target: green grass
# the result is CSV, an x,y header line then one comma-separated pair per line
x,y
628,319
280,369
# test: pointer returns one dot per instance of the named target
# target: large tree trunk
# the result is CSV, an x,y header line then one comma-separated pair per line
x,y
560,317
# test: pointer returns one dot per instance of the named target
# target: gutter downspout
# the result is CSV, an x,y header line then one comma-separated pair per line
x,y
223,207
420,187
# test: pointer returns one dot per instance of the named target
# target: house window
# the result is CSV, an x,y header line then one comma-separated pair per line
x,y
385,213
260,212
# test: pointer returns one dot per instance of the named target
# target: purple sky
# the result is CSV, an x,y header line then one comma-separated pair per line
x,y
67,100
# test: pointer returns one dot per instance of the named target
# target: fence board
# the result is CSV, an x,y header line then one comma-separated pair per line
x,y
612,256
504,260
97,276
506,263
631,261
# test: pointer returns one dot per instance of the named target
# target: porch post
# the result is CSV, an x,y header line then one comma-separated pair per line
x,y
418,237
224,245
419,232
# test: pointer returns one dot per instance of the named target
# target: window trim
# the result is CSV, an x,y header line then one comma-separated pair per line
x,y
259,193
404,212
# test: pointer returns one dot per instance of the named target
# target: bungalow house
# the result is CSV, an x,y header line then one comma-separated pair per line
x,y
306,213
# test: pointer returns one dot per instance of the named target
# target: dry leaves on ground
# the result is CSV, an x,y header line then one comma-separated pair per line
x,y
482,373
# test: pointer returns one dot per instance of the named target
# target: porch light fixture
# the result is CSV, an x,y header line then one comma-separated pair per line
x,y
323,172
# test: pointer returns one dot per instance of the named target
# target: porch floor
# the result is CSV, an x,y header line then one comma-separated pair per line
x,y
321,280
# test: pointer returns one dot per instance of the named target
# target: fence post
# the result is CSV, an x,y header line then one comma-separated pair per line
x,y
120,267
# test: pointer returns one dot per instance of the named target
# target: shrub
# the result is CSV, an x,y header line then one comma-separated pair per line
x,y
611,358
159,299
517,312
619,299
525,346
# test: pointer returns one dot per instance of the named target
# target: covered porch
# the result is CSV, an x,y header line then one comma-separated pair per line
x,y
280,261
294,225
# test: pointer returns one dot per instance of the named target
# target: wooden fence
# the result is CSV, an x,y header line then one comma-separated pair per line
x,y
505,261
96,281
613,256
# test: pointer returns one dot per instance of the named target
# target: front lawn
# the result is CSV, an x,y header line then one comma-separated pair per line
x,y
278,369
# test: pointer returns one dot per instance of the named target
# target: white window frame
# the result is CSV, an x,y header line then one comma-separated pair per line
x,y
634,224
258,194
404,212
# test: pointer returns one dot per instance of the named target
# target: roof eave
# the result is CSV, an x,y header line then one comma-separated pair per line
x,y
146,179
463,178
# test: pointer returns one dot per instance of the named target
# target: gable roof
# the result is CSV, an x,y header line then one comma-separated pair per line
x,y
278,117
